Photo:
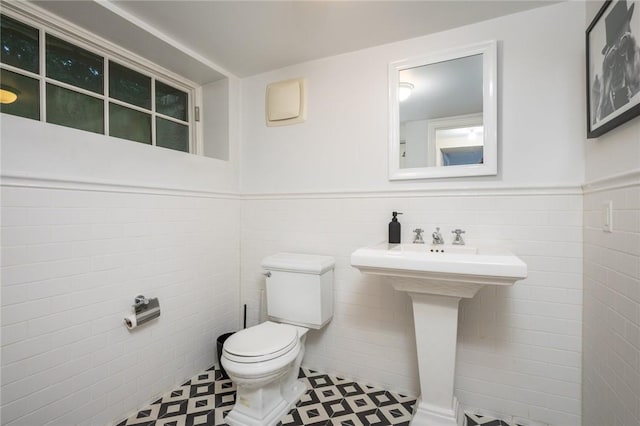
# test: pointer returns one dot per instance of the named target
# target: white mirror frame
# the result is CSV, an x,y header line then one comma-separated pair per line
x,y
489,52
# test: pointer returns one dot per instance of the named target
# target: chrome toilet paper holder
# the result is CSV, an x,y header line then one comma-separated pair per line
x,y
143,310
140,302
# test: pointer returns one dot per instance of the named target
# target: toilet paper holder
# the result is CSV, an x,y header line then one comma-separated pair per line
x,y
140,302
143,311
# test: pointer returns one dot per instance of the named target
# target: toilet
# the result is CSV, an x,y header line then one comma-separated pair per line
x,y
263,361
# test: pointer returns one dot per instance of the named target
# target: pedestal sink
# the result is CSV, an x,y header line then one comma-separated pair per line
x,y
436,277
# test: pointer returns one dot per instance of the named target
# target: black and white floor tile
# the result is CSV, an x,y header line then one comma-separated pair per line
x,y
208,397
477,420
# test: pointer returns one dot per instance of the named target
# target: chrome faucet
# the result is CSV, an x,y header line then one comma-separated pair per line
x,y
418,238
437,237
457,240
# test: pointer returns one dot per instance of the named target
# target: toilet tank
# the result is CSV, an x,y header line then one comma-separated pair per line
x,y
299,289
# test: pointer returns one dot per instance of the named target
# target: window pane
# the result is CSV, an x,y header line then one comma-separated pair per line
x,y
172,135
71,64
73,109
19,44
28,90
129,86
127,123
171,101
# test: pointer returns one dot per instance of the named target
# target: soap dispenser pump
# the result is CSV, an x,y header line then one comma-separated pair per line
x,y
394,229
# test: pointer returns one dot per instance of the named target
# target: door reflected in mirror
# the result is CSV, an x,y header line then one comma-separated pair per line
x,y
443,114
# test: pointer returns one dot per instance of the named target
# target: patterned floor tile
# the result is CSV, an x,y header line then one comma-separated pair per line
x,y
203,418
372,418
144,417
308,398
196,405
314,414
220,414
208,397
178,394
173,408
347,420
359,403
348,389
171,421
396,414
383,398
224,385
202,389
292,418
328,394
477,420
320,380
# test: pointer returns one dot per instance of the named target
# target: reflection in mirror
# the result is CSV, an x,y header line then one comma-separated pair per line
x,y
441,92
443,116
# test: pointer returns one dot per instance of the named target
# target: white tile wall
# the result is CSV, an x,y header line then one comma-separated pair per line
x,y
612,309
72,262
519,348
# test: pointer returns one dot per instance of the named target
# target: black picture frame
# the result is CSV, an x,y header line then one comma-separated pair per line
x,y
613,93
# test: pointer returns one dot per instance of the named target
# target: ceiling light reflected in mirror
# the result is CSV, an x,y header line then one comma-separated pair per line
x,y
404,90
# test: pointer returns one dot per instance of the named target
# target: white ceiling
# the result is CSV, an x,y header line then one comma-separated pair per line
x,y
250,37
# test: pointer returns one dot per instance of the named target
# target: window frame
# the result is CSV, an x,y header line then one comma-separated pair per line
x,y
47,23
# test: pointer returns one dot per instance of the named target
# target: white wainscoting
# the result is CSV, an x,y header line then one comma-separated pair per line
x,y
519,348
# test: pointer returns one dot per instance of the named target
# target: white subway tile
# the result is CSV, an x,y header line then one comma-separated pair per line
x,y
25,349
14,294
12,314
43,271
14,333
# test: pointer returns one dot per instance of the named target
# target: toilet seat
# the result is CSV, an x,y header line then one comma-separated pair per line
x,y
261,343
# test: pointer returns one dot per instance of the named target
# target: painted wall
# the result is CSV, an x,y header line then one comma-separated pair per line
x,y
321,187
617,151
343,144
611,370
88,223
415,134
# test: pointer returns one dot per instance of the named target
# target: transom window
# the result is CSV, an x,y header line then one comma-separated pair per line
x,y
49,78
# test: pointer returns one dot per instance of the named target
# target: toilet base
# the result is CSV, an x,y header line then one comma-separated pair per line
x,y
247,413
295,393
264,401
238,418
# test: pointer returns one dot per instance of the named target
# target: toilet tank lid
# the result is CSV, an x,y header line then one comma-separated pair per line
x,y
297,262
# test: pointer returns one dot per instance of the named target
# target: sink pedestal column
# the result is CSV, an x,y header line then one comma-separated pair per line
x,y
436,325
436,279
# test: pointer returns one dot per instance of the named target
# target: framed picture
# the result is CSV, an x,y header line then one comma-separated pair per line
x,y
613,66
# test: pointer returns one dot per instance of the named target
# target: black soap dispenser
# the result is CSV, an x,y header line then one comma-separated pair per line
x,y
394,229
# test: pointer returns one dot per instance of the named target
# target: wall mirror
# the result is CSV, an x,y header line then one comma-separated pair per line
x,y
443,114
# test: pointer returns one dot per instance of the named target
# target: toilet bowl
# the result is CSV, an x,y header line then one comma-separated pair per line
x,y
263,361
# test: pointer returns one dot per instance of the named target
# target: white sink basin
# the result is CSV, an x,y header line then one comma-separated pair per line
x,y
436,277
441,269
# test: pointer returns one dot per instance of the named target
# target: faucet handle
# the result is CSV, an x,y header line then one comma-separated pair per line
x,y
418,239
457,240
